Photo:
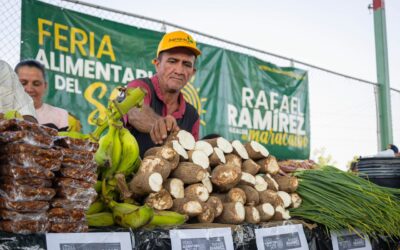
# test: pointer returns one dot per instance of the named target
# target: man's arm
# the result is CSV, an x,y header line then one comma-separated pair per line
x,y
145,120
142,119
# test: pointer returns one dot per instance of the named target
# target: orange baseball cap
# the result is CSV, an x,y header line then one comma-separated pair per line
x,y
178,39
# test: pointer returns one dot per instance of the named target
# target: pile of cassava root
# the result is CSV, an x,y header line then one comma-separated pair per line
x,y
215,180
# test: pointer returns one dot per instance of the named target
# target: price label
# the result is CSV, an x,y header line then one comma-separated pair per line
x,y
346,239
89,241
281,237
202,239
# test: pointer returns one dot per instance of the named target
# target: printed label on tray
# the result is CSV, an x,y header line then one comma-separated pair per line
x,y
202,239
281,238
90,241
90,246
346,240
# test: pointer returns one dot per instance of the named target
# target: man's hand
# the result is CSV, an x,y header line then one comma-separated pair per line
x,y
162,127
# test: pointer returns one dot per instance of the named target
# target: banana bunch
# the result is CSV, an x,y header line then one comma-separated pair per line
x,y
131,216
101,219
118,159
109,146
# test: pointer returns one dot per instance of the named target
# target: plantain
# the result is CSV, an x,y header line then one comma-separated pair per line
x,y
102,219
74,134
125,217
105,151
136,165
101,125
116,151
97,186
133,98
167,218
123,207
96,207
130,153
117,147
108,192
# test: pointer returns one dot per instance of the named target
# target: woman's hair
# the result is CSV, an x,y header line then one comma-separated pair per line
x,y
31,63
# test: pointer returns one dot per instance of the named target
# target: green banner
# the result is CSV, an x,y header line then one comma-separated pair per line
x,y
237,96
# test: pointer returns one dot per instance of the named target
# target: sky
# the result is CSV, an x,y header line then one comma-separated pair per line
x,y
337,35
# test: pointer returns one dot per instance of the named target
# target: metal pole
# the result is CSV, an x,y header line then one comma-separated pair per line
x,y
385,133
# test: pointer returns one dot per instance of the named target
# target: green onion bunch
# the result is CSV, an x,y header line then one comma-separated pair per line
x,y
342,200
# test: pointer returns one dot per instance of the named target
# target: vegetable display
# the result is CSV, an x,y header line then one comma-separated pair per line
x,y
341,200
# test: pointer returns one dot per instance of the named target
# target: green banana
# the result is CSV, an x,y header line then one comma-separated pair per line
x,y
130,152
136,165
134,219
116,151
123,207
97,186
12,114
101,125
103,219
74,134
105,151
117,147
96,207
108,192
133,98
167,218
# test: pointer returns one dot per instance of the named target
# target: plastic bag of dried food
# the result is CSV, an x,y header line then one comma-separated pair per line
x,y
26,193
77,194
68,204
17,216
79,174
77,144
74,183
29,160
33,182
89,165
18,172
24,226
62,215
77,154
22,125
73,227
24,206
28,137
15,148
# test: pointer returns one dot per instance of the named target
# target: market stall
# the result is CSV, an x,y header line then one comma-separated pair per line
x,y
233,195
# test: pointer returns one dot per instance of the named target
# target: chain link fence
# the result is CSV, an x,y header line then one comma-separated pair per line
x,y
342,108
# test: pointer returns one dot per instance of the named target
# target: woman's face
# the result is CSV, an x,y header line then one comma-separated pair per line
x,y
33,82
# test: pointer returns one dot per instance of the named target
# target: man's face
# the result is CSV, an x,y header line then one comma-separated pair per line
x,y
33,82
174,69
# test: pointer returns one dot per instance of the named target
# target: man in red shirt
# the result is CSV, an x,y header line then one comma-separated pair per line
x,y
165,109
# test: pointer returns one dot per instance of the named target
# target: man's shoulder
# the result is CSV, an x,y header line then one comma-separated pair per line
x,y
190,109
140,82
